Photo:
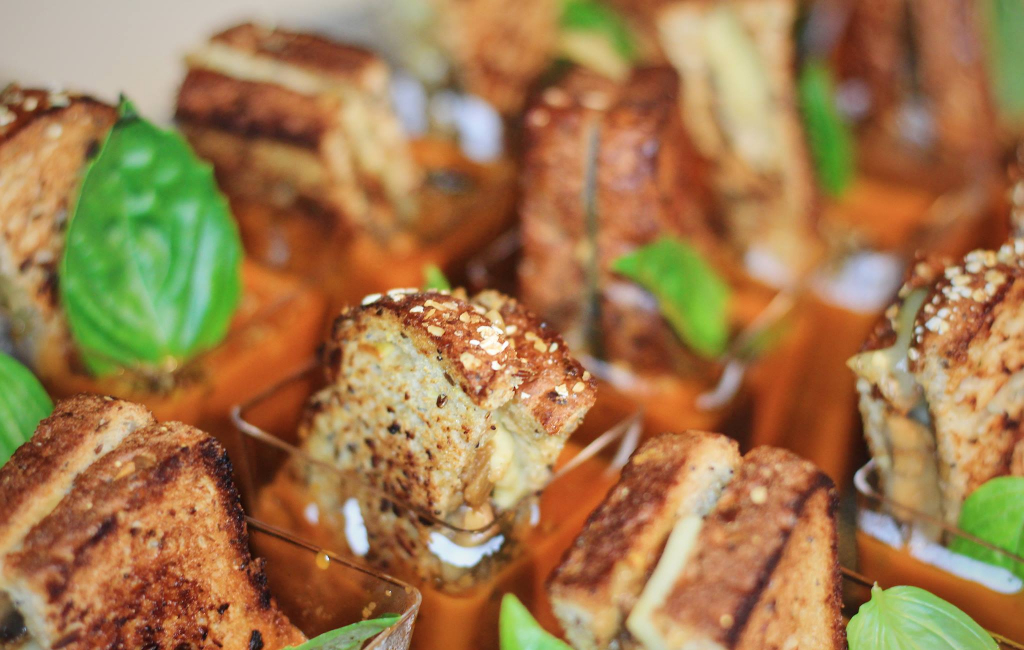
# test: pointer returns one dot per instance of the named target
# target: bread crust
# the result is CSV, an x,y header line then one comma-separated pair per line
x,y
148,549
46,138
599,578
739,548
80,430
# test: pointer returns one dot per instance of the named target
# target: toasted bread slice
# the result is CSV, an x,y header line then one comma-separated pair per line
x,y
736,60
763,571
498,47
149,549
648,184
558,272
672,476
609,168
427,399
45,140
261,97
958,377
80,431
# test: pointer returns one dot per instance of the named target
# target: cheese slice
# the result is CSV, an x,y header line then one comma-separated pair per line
x,y
678,550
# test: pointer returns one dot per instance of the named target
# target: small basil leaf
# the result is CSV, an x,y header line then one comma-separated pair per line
x,y
434,278
995,513
151,272
1003,23
594,36
692,296
597,17
908,618
519,630
828,135
350,637
23,403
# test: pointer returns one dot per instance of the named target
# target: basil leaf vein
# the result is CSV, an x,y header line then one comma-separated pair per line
x,y
909,618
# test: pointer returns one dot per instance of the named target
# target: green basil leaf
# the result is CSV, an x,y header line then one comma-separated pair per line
x,y
692,296
908,618
350,637
23,403
519,630
595,36
828,135
1003,23
995,513
151,273
434,278
594,16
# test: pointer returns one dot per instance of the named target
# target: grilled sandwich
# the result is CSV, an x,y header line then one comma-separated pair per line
x,y
736,61
909,54
301,124
454,408
941,384
46,138
128,533
498,48
697,547
608,169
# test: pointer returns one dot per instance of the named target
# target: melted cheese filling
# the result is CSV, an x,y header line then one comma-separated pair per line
x,y
678,550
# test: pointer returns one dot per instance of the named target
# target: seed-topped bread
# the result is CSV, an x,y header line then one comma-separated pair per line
x,y
429,397
955,371
299,122
46,138
148,547
695,548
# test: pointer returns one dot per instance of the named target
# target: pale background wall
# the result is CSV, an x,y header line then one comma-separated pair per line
x,y
108,46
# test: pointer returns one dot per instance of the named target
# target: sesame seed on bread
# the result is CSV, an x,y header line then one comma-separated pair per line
x,y
954,425
453,407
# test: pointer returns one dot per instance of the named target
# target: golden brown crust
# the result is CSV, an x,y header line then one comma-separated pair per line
x,y
558,273
556,391
648,185
499,47
307,51
922,274
80,430
254,108
471,350
148,550
600,576
45,140
740,545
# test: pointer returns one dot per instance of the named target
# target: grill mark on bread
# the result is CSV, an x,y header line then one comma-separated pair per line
x,y
821,481
253,109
